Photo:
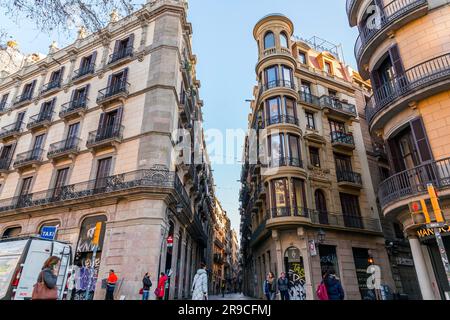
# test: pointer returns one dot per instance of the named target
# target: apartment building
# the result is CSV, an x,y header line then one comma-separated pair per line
x,y
307,199
403,49
88,141
220,253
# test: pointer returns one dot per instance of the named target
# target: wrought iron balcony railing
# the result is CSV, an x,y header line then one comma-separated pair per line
x,y
342,137
39,119
26,97
281,119
73,106
51,85
121,54
67,145
130,181
335,104
108,133
290,212
88,69
389,14
29,156
422,75
286,162
121,87
345,221
309,98
14,128
349,176
413,182
277,84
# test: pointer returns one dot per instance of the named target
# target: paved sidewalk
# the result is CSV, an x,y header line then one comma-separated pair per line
x,y
231,296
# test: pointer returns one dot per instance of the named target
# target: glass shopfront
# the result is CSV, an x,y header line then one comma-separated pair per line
x,y
328,259
438,267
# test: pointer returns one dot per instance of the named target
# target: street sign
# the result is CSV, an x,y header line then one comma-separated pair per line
x,y
49,233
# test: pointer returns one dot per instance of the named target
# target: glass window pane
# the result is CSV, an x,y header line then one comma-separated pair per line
x,y
269,40
284,40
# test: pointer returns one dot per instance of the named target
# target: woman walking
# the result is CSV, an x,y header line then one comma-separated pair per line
x,y
200,284
270,286
159,291
45,288
334,287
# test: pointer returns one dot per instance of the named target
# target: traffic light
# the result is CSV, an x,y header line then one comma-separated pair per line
x,y
435,203
419,207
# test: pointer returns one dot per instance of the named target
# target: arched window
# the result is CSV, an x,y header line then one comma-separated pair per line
x,y
269,40
12,232
321,206
284,40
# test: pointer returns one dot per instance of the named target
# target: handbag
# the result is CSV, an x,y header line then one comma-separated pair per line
x,y
42,292
322,292
157,292
141,291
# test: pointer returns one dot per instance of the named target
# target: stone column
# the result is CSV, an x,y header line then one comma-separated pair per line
x,y
188,269
279,253
175,263
73,59
181,265
144,26
421,269
105,42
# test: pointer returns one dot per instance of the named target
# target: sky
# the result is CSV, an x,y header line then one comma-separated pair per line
x,y
227,55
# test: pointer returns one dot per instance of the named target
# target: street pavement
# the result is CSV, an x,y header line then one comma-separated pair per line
x,y
231,296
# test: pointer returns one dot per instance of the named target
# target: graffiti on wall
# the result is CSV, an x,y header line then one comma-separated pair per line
x,y
296,273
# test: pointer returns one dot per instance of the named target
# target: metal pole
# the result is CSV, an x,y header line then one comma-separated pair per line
x,y
443,253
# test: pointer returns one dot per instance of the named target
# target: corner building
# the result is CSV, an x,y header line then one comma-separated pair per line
x,y
308,203
87,137
403,48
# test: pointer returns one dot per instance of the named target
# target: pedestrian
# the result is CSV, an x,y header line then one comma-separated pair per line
x,y
160,289
223,289
111,285
146,285
200,284
45,288
270,286
333,284
283,286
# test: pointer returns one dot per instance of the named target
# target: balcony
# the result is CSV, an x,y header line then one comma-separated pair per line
x,y
83,73
310,99
277,84
379,151
141,181
337,107
413,182
345,222
4,107
5,164
342,141
113,93
50,87
30,158
393,16
275,52
286,162
11,131
68,148
107,137
281,119
417,83
349,179
289,212
23,100
41,120
73,109
218,258
121,56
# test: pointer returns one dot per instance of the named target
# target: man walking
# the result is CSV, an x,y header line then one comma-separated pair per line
x,y
283,286
111,285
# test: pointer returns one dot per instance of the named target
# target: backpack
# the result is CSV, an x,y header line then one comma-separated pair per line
x,y
322,292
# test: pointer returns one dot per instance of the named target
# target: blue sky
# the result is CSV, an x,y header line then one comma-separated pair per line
x,y
227,54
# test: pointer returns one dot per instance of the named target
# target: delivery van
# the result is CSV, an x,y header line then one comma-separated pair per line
x,y
21,260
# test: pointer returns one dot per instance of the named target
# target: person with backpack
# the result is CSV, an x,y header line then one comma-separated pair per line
x,y
200,284
146,285
45,288
283,286
333,285
269,287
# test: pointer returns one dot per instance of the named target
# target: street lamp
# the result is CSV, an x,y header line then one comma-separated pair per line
x,y
321,236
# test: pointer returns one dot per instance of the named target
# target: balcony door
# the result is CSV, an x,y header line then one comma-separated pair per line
x,y
72,135
276,149
24,193
109,124
343,163
60,182
298,197
6,154
37,146
117,81
271,75
273,110
351,211
103,171
280,198
19,120
321,206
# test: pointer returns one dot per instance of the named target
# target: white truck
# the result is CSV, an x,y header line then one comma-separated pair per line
x,y
21,260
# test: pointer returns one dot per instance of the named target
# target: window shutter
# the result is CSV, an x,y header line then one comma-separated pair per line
x,y
125,75
52,105
394,156
101,123
421,140
93,58
118,120
61,74
131,40
109,80
86,92
396,62
116,46
33,85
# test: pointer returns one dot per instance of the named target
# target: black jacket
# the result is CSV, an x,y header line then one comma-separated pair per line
x,y
146,283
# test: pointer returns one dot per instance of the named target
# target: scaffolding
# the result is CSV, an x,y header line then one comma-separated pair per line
x,y
321,45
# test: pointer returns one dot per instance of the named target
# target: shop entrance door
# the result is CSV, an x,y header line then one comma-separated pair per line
x,y
295,270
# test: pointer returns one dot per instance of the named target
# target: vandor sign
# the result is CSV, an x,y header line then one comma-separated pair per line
x,y
429,232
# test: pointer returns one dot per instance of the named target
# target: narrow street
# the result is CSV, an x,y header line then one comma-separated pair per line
x,y
231,296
